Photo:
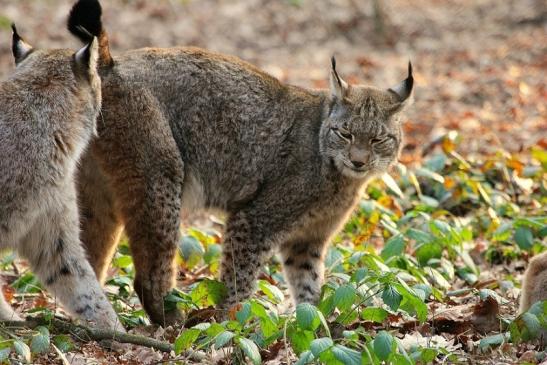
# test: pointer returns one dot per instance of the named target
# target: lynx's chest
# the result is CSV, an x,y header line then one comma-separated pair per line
x,y
326,216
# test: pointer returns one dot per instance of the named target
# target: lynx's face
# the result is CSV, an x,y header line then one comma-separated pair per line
x,y
362,133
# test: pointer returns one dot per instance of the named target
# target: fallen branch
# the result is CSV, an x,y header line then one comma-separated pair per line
x,y
87,333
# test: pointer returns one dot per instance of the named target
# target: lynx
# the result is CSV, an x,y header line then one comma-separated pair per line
x,y
534,284
48,111
185,129
534,288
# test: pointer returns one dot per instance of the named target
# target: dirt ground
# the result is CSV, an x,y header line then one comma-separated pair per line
x,y
479,64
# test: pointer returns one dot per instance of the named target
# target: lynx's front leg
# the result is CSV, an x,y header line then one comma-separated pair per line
x,y
56,256
244,253
303,265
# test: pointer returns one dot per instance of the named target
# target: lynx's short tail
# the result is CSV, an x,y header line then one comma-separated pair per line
x,y
84,21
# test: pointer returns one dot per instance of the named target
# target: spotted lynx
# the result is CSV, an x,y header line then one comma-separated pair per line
x,y
185,129
48,110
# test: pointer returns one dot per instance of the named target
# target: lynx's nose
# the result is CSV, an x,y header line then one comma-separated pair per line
x,y
358,156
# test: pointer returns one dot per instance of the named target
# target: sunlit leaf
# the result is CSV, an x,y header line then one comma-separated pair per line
x,y
186,339
271,291
374,314
40,341
63,343
524,238
393,247
223,338
23,350
391,297
244,313
250,349
383,345
346,355
319,345
191,250
494,340
424,172
307,316
344,297
300,339
208,292
305,358
390,183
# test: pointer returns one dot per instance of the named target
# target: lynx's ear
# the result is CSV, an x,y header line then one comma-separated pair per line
x,y
86,58
404,89
19,47
338,87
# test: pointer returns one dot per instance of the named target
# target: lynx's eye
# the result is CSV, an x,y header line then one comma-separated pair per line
x,y
344,134
375,141
382,140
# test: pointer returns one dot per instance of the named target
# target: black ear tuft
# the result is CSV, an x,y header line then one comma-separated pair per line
x,y
338,87
15,39
14,29
334,72
19,47
85,14
404,89
410,79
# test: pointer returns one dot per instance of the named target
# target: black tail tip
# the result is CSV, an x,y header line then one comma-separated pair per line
x,y
85,14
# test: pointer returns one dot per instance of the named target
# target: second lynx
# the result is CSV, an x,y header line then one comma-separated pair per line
x,y
184,128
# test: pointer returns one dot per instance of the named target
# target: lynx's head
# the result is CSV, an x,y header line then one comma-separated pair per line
x,y
58,84
362,132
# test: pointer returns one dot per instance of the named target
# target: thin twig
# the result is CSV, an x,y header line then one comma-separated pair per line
x,y
87,333
91,334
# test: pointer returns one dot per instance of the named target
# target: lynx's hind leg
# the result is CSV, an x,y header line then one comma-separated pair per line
x,y
146,172
304,269
534,284
58,259
153,230
101,225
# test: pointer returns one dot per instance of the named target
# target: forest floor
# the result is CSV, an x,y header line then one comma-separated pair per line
x,y
477,132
